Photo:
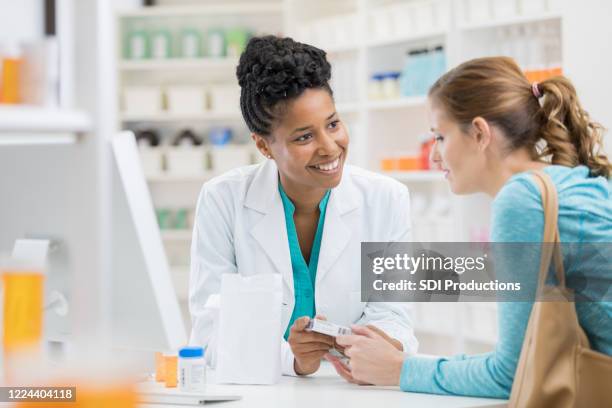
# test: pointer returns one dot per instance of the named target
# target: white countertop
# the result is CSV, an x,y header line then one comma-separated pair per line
x,y
327,389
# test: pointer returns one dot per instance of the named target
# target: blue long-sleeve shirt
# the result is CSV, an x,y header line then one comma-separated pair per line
x,y
585,215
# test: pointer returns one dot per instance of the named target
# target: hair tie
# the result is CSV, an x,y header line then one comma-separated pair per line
x,y
535,89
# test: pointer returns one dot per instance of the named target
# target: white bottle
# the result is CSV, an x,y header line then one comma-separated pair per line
x,y
191,369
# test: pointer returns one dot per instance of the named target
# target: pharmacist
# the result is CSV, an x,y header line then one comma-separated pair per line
x,y
303,213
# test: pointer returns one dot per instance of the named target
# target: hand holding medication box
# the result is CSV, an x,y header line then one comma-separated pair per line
x,y
328,328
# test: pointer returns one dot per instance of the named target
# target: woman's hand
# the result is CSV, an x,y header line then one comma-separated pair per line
x,y
394,342
374,359
343,370
308,347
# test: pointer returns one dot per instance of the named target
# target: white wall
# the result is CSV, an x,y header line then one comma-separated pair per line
x,y
126,4
20,20
588,57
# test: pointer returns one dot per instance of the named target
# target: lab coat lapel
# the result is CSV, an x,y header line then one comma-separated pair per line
x,y
337,232
270,231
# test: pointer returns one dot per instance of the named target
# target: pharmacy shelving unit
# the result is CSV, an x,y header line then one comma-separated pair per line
x,y
181,190
33,125
378,34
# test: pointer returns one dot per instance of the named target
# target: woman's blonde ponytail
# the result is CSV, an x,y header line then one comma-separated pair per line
x,y
570,135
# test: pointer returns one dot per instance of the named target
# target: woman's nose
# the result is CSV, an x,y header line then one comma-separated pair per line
x,y
434,157
327,144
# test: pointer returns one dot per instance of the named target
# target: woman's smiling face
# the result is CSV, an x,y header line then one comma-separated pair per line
x,y
308,142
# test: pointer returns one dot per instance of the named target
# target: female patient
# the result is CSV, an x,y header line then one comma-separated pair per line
x,y
492,127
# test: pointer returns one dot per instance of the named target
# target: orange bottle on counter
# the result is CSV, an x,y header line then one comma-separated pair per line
x,y
160,367
10,82
23,309
171,370
22,314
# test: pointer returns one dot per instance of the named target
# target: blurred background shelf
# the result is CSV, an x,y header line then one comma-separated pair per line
x,y
417,37
343,48
399,103
30,125
171,117
176,235
230,8
417,176
30,119
173,64
517,20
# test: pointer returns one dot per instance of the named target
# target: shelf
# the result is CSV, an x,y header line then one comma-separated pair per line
x,y
174,64
176,235
510,21
407,38
406,102
416,176
173,117
245,8
37,125
171,178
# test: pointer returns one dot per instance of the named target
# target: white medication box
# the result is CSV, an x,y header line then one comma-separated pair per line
x,y
186,100
225,158
142,100
325,327
151,159
225,99
186,161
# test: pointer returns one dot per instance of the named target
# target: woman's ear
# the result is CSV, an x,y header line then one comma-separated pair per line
x,y
262,145
482,132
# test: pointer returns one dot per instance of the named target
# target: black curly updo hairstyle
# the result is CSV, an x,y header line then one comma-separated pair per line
x,y
273,71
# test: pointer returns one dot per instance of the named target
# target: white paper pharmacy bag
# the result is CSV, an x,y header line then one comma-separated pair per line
x,y
248,342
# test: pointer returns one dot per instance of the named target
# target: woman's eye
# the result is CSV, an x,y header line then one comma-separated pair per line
x,y
304,138
333,124
439,138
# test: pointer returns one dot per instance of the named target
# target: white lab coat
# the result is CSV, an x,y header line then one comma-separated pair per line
x,y
240,228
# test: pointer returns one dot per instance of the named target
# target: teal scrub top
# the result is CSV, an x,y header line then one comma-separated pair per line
x,y
304,274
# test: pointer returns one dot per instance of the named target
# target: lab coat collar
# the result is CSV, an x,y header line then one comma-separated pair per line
x,y
263,189
271,231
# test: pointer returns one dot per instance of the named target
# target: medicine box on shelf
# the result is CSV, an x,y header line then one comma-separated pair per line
x,y
186,161
185,99
224,98
228,157
152,160
142,100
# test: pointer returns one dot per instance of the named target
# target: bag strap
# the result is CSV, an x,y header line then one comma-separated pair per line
x,y
551,248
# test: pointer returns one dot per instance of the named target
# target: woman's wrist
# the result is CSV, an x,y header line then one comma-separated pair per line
x,y
300,370
397,367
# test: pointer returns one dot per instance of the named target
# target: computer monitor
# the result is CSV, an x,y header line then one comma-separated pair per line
x,y
147,313
47,194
